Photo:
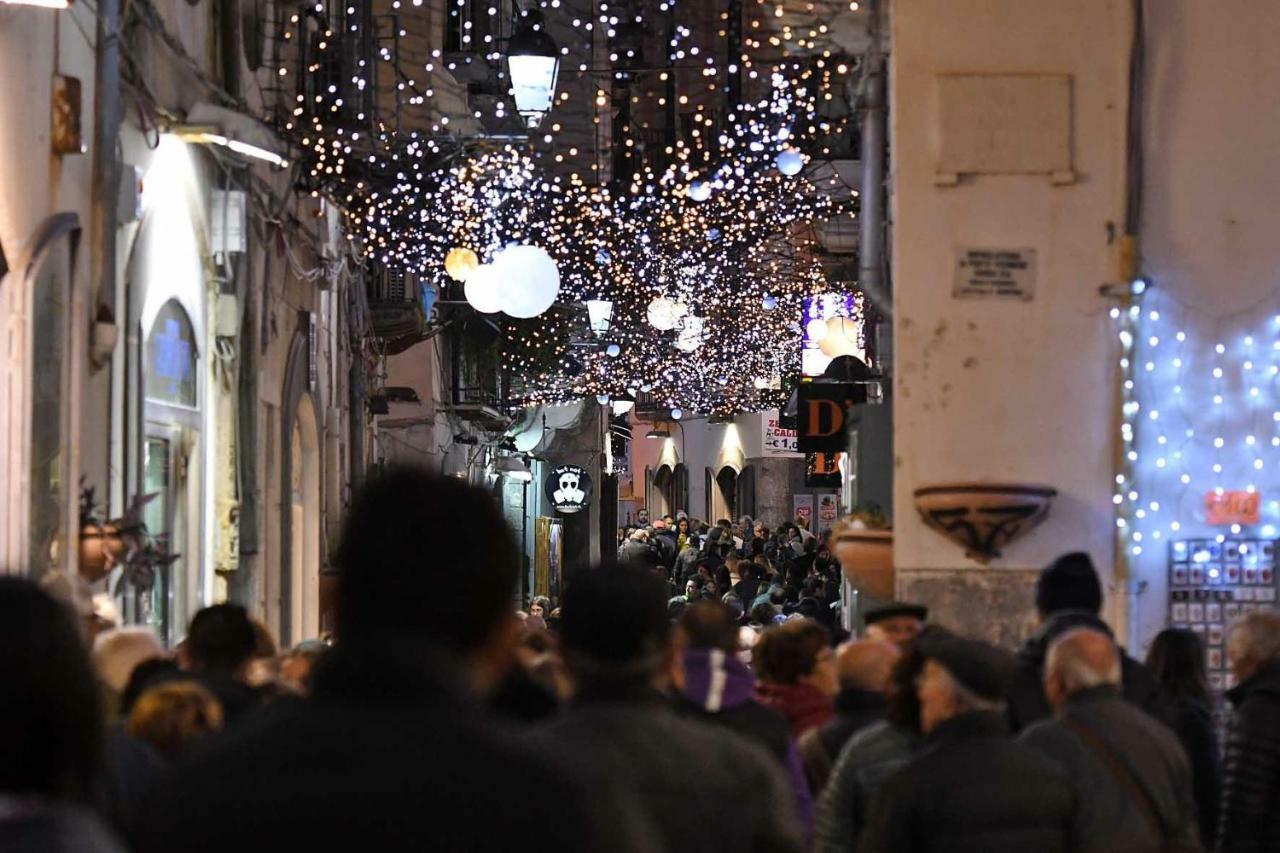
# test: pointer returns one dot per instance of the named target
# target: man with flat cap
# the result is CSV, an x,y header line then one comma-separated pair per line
x,y
972,787
897,622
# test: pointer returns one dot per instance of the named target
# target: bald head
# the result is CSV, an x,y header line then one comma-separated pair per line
x,y
1080,659
866,664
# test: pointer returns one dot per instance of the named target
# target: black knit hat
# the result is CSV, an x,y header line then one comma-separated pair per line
x,y
1069,583
979,667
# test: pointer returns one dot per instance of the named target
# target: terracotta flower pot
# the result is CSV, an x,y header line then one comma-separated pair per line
x,y
101,547
984,517
866,558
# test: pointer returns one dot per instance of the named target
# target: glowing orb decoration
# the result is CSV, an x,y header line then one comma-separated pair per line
x,y
460,263
664,313
677,414
816,329
530,280
699,191
841,338
769,302
790,162
613,350
483,291
689,337
602,399
761,383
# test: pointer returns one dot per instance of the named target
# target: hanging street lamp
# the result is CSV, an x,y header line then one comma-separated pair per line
x,y
533,60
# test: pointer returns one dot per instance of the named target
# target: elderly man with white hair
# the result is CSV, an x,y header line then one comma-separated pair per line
x,y
1131,776
1249,819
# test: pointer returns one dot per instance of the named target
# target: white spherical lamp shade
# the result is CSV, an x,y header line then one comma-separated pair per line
x,y
664,313
530,280
699,191
841,338
790,162
460,263
816,329
689,337
483,290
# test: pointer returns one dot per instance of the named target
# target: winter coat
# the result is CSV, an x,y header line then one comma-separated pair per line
x,y
34,825
1110,816
637,553
973,789
720,689
820,747
1026,696
387,754
1249,818
869,758
804,705
1193,724
704,789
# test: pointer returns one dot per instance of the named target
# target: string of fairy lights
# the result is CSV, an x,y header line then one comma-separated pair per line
x,y
703,253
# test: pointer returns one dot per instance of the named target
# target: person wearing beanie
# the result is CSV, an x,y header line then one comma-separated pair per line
x,y
972,786
1068,595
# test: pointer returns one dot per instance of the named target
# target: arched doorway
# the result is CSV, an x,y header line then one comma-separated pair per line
x,y
170,441
722,494
304,526
660,492
37,505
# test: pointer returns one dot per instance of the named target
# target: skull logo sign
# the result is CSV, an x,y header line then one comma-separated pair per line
x,y
568,488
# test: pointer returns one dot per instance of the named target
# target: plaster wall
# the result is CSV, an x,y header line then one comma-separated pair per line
x,y
989,389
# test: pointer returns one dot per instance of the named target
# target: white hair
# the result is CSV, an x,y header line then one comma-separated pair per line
x,y
1257,636
1069,658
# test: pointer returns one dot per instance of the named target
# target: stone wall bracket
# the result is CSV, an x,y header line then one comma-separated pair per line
x,y
983,517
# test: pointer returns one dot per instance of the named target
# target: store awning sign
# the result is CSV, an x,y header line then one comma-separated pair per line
x,y
1223,509
568,488
823,415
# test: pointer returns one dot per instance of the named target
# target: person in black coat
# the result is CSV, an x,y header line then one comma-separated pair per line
x,y
393,751
1176,661
702,787
1249,817
1131,776
1068,595
972,787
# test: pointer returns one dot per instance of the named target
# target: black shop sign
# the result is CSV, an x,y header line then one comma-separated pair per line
x,y
823,413
568,488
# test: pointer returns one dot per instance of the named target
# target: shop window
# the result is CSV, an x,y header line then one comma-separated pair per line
x,y
49,487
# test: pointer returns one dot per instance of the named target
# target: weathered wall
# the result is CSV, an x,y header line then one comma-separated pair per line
x,y
1004,390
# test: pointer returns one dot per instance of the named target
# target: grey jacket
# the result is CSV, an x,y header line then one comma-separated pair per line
x,y
1109,817
868,758
700,787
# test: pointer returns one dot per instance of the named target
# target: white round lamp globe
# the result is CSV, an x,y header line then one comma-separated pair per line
x,y
482,290
530,280
790,162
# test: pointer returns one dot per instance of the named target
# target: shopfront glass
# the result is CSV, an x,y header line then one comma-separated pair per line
x,y
49,487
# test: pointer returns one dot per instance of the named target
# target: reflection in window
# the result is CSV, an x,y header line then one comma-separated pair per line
x,y
171,358
48,477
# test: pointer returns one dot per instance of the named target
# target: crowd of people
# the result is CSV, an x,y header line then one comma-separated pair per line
x,y
688,699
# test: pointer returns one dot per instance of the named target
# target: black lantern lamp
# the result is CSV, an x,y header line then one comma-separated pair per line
x,y
533,60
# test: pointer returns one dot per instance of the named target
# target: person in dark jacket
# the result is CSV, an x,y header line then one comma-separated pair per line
x,y
863,668
869,759
393,751
51,731
703,788
715,686
972,787
1176,661
219,647
1131,776
1068,595
1249,817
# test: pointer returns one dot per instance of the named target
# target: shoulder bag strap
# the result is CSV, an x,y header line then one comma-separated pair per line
x,y
1120,770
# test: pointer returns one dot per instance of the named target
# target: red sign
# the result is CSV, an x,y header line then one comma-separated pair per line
x,y
1223,510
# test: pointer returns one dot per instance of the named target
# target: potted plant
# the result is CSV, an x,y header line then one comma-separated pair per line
x,y
863,542
101,543
123,541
